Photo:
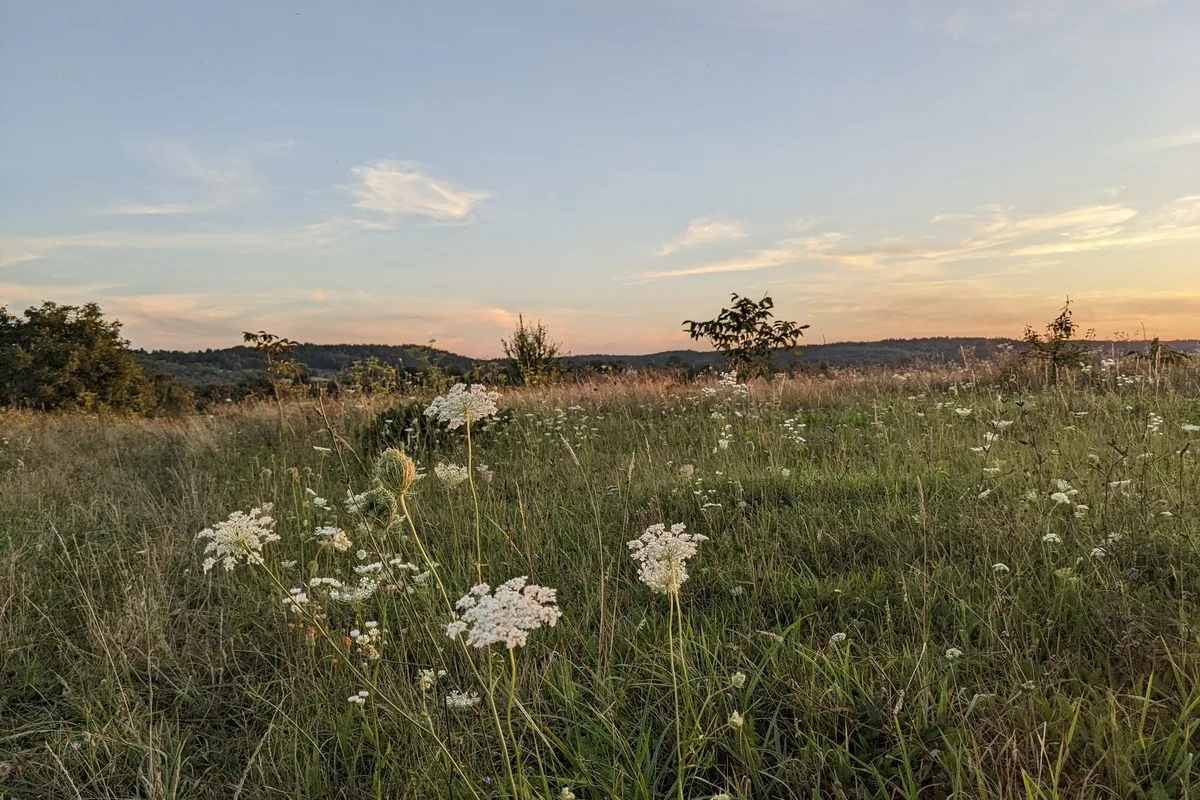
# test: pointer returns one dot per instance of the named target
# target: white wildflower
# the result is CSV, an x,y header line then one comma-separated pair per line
x,y
359,699
462,700
1098,552
426,678
296,600
663,554
687,470
566,794
737,680
963,412
735,721
239,538
509,615
953,654
1051,538
1001,424
334,537
451,474
366,587
1189,428
837,638
1061,498
1000,569
463,405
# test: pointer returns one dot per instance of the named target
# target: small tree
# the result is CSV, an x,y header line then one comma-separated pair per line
x,y
746,335
283,370
533,355
1057,346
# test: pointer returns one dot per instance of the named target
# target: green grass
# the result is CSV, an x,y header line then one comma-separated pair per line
x,y
127,671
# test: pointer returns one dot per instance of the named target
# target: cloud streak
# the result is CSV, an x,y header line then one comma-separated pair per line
x,y
993,233
399,188
701,231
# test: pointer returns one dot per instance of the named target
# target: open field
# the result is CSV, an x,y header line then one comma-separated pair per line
x,y
929,585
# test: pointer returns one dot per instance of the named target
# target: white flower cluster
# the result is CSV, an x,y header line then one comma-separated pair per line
x,y
508,615
451,474
368,639
427,678
239,538
461,700
463,405
334,537
296,600
367,586
663,553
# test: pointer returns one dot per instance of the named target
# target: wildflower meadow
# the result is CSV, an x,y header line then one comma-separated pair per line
x,y
931,584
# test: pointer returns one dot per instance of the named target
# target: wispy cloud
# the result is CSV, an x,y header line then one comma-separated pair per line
x,y
399,188
1171,141
993,233
703,230
184,182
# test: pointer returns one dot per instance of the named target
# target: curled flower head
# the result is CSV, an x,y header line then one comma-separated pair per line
x,y
238,539
737,680
663,553
463,405
395,471
509,615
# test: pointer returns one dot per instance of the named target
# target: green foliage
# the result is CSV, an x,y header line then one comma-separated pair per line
x,y
71,358
1057,347
745,334
371,376
533,356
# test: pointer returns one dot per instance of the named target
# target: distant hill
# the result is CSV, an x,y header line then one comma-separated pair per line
x,y
233,364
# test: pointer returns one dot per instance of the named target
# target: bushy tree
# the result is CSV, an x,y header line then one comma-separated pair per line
x,y
532,354
746,334
69,358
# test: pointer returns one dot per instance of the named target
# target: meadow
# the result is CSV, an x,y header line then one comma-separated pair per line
x,y
931,584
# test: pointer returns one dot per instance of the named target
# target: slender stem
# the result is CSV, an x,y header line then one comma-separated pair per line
x,y
675,693
475,498
512,693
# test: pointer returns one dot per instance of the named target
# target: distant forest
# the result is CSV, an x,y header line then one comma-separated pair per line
x,y
327,361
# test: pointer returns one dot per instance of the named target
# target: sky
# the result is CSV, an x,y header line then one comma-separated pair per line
x,y
400,172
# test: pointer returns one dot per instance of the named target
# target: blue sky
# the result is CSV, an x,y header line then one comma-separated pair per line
x,y
400,172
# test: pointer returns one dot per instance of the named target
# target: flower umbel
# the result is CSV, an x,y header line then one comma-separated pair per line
x,y
663,553
239,538
451,474
463,405
509,615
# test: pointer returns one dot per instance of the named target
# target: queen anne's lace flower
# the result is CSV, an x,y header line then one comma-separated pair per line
x,y
663,555
461,700
451,474
334,537
239,538
463,405
508,615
